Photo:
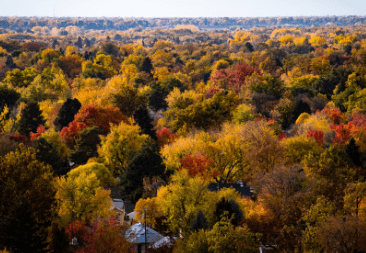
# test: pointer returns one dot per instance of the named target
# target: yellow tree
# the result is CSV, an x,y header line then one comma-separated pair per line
x,y
180,201
103,174
82,198
150,208
117,147
264,150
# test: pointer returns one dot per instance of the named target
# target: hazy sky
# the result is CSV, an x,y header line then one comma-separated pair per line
x,y
181,8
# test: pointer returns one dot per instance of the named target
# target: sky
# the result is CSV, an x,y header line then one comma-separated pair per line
x,y
181,8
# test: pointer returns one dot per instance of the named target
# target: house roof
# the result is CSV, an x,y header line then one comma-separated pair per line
x,y
118,204
129,207
136,234
163,241
239,187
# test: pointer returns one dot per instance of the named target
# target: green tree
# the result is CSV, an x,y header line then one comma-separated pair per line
x,y
199,222
31,117
330,172
86,145
66,113
7,97
143,119
48,154
19,230
145,163
231,209
59,242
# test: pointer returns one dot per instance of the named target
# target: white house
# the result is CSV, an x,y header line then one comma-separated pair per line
x,y
136,234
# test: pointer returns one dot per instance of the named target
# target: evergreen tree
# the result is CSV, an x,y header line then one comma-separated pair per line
x,y
147,65
232,208
249,46
8,97
300,107
86,145
143,119
156,97
87,43
47,153
58,239
66,113
79,43
31,117
145,163
353,154
199,222
20,232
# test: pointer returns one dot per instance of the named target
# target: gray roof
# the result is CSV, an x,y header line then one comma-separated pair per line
x,y
136,234
118,203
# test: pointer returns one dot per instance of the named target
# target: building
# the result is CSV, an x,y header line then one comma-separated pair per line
x,y
140,236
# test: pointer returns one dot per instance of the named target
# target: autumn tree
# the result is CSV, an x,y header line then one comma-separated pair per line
x,y
128,99
71,65
101,116
17,78
24,178
199,165
150,208
105,236
82,198
232,78
100,170
181,200
117,147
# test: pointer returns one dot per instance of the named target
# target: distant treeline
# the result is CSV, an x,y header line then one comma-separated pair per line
x,y
14,23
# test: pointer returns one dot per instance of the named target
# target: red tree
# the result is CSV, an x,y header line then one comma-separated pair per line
x,y
318,135
93,115
233,78
358,119
198,165
344,132
18,138
71,133
211,92
165,136
105,236
40,130
335,115
79,230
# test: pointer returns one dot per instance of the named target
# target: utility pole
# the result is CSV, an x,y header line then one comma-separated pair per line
x,y
145,229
